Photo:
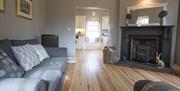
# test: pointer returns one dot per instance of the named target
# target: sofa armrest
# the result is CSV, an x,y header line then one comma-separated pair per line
x,y
56,52
146,85
139,85
22,84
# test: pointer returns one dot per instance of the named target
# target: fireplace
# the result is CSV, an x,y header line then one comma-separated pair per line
x,y
143,49
140,44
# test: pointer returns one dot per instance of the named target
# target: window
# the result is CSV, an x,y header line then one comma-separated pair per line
x,y
143,20
92,31
92,26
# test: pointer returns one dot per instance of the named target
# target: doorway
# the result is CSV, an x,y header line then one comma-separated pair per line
x,y
92,28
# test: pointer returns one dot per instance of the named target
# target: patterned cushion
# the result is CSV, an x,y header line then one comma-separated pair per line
x,y
26,56
8,69
5,45
41,52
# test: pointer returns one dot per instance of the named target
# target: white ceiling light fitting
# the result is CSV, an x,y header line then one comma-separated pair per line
x,y
93,13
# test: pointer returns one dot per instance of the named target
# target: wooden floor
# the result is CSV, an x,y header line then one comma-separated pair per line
x,y
91,74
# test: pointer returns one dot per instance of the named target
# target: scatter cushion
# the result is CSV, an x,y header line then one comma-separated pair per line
x,y
41,52
5,45
9,69
26,56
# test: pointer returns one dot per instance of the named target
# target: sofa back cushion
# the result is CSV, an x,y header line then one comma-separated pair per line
x,y
24,42
5,45
9,69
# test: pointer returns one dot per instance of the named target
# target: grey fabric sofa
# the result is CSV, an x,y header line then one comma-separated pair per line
x,y
47,76
147,85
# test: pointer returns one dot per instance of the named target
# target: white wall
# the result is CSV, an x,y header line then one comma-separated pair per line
x,y
61,21
177,57
171,18
13,27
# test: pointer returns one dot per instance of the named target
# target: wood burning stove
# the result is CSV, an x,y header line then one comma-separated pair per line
x,y
143,49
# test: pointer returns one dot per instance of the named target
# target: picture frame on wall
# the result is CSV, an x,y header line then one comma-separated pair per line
x,y
24,9
2,5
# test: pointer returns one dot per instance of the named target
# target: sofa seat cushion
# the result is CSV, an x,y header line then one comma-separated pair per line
x,y
50,76
22,84
55,65
59,63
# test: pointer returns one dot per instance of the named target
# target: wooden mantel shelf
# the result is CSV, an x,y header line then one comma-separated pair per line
x,y
165,26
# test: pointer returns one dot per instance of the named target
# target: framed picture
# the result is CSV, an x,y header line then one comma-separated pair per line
x,y
24,8
2,5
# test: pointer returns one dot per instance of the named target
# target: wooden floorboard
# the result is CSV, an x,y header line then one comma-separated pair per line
x,y
91,74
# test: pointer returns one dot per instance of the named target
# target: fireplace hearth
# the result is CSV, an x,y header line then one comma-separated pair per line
x,y
140,44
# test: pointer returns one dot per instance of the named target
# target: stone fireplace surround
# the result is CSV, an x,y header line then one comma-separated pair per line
x,y
162,35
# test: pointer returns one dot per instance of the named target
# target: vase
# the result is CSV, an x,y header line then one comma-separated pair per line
x,y
161,21
127,22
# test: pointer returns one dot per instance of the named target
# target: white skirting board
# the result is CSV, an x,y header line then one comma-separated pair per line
x,y
72,60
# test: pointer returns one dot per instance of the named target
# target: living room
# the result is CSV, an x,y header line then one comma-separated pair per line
x,y
38,46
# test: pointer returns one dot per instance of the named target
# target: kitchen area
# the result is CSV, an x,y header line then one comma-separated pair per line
x,y
92,28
